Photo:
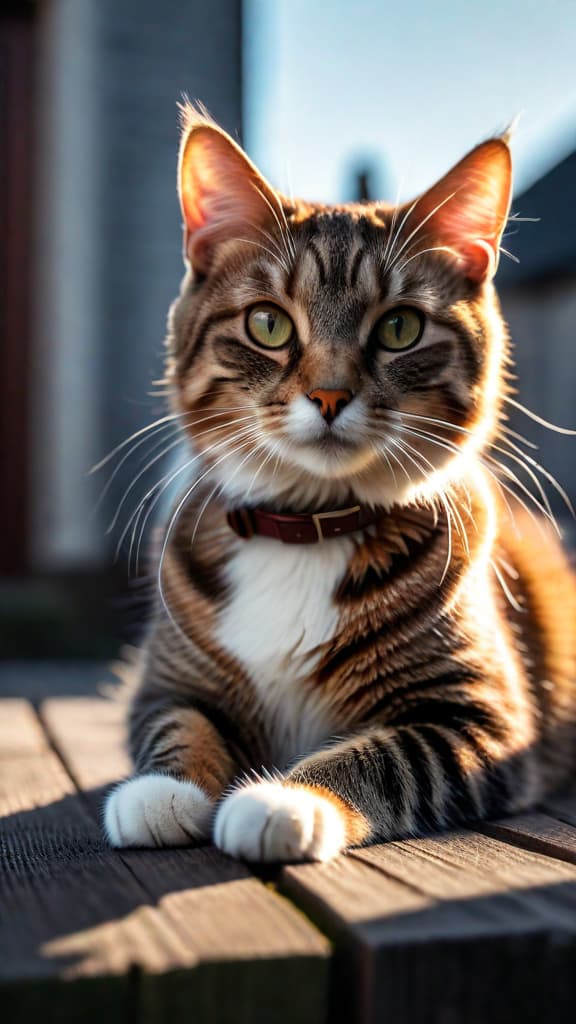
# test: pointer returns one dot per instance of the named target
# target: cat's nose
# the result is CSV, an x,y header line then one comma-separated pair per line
x,y
330,401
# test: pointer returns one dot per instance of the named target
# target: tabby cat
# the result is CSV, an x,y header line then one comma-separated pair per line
x,y
359,634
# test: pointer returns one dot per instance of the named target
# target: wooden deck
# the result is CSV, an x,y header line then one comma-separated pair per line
x,y
476,926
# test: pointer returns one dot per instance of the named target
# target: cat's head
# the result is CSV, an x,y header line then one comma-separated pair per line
x,y
317,352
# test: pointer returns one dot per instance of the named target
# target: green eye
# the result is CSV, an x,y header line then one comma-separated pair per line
x,y
269,326
400,328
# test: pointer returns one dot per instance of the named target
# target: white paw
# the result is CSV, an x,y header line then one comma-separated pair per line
x,y
156,810
266,821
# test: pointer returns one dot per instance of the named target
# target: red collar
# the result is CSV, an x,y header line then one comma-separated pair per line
x,y
300,528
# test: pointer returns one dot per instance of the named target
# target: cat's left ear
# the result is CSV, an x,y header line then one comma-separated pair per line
x,y
467,210
222,194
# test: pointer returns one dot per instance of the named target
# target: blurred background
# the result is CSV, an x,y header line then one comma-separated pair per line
x,y
334,101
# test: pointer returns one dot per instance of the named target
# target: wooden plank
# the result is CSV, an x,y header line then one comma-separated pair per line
x,y
69,911
449,928
537,831
81,928
20,732
248,943
90,736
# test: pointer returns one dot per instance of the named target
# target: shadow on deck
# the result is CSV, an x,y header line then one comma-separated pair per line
x,y
478,925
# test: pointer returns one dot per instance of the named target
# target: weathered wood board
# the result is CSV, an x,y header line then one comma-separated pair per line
x,y
153,936
456,928
472,927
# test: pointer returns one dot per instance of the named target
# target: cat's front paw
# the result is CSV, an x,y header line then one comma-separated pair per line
x,y
157,810
269,821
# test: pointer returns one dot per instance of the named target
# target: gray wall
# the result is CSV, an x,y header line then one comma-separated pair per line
x,y
109,239
542,319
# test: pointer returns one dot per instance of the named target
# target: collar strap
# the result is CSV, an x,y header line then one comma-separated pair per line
x,y
300,528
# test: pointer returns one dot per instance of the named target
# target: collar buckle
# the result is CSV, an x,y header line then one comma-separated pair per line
x,y
318,517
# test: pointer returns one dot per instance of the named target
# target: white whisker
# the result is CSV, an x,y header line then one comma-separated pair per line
x,y
222,485
433,248
149,464
174,519
281,262
143,430
246,433
539,419
126,456
513,433
441,496
392,240
162,485
505,588
521,458
419,227
510,255
424,435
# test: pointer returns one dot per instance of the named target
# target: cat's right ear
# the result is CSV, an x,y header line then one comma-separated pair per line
x,y
222,194
465,213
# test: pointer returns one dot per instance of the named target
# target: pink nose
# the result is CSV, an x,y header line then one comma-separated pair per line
x,y
330,401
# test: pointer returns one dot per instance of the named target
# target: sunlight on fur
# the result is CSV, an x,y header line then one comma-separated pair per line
x,y
364,621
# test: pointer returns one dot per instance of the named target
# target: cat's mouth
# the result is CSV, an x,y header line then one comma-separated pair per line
x,y
334,443
330,455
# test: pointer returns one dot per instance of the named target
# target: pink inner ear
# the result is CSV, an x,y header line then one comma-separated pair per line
x,y
481,260
192,193
222,194
467,210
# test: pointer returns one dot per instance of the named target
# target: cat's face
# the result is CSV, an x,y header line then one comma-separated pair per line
x,y
318,353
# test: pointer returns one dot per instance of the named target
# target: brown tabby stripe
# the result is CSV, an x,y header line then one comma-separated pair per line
x,y
462,801
355,268
452,714
154,728
425,776
416,799
423,367
232,355
197,343
414,691
319,261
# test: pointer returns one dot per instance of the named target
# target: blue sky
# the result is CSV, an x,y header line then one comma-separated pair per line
x,y
410,84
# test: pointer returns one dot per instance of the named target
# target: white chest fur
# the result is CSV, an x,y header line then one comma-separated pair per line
x,y
280,610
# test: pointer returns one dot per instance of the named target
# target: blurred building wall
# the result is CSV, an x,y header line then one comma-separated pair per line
x,y
538,295
107,253
541,317
17,47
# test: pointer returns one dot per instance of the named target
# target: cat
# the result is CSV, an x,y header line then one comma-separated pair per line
x,y
359,635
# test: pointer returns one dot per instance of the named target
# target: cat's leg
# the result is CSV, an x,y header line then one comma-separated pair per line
x,y
445,764
183,766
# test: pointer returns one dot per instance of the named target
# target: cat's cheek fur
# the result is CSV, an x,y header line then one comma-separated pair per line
x,y
274,821
157,810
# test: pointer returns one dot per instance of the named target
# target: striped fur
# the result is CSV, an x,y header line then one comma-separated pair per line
x,y
407,678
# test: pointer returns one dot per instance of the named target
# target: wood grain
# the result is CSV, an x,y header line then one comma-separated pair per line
x,y
453,928
471,927
90,736
538,831
157,935
70,913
